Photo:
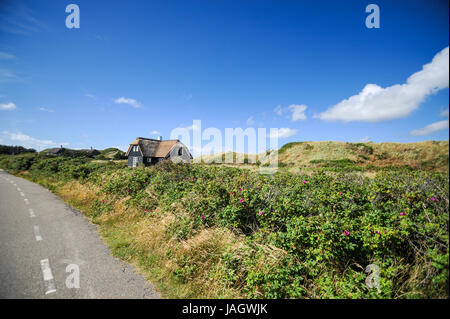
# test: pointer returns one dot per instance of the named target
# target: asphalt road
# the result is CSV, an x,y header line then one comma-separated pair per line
x,y
48,250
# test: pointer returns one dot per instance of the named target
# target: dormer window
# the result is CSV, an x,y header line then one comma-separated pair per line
x,y
136,148
180,151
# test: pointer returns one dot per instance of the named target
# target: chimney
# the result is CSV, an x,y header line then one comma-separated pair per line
x,y
160,138
61,146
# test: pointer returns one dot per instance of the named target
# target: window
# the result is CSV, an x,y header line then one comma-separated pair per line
x,y
180,151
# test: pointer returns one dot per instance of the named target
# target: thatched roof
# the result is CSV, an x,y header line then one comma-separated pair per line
x,y
153,148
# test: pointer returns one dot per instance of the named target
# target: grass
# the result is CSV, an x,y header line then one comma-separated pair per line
x,y
144,244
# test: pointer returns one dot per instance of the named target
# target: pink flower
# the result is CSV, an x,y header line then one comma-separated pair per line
x,y
145,210
402,213
346,233
103,201
240,189
340,193
434,199
232,193
332,197
128,190
260,212
203,217
378,232
304,182
241,200
358,196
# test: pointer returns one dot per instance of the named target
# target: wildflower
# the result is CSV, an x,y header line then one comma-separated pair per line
x,y
358,196
434,199
332,197
232,193
304,182
145,210
240,189
402,214
378,232
340,193
241,200
260,212
103,201
346,233
203,217
128,190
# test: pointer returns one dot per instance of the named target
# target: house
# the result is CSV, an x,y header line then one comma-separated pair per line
x,y
148,151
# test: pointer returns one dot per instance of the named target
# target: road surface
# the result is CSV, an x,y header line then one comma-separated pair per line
x,y
48,250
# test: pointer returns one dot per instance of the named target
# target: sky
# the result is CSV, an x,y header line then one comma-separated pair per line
x,y
312,69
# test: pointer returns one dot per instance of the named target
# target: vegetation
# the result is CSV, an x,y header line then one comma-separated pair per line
x,y
14,150
223,232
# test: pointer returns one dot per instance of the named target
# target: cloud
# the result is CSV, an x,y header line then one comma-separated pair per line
x,y
283,133
278,110
430,129
8,76
132,102
444,113
187,97
18,18
375,104
28,141
92,96
7,106
365,139
6,56
297,111
43,109
155,133
250,121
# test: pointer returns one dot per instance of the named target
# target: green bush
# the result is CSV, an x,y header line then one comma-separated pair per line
x,y
327,227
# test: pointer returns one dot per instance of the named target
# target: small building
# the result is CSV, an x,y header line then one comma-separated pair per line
x,y
148,151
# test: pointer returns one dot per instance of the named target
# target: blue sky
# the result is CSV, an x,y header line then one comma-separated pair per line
x,y
143,68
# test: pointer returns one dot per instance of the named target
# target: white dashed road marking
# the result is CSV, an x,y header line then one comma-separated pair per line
x,y
26,201
37,234
48,277
19,189
32,212
22,194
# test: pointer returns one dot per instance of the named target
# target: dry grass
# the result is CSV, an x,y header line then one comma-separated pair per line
x,y
142,240
432,155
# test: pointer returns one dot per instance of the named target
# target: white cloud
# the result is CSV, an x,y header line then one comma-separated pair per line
x,y
7,106
92,96
43,109
28,141
283,133
132,102
365,139
444,113
430,129
375,104
8,76
6,56
278,110
298,111
155,133
250,121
